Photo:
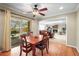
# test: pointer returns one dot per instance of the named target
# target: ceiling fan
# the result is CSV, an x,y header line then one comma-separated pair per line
x,y
38,11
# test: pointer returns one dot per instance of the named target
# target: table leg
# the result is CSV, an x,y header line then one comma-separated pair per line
x,y
33,50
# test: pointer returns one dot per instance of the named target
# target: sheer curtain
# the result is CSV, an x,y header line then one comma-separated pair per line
x,y
6,35
1,28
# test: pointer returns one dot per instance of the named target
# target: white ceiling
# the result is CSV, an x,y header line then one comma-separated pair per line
x,y
51,21
53,8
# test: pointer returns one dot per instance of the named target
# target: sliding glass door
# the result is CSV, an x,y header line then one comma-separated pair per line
x,y
18,27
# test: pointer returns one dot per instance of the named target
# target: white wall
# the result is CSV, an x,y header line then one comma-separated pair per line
x,y
71,29
1,28
78,30
34,26
42,26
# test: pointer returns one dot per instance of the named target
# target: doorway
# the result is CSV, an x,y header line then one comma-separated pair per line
x,y
57,26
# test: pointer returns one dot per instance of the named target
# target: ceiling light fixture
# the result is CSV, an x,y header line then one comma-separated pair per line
x,y
35,12
61,8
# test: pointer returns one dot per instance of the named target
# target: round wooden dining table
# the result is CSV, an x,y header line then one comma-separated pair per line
x,y
34,40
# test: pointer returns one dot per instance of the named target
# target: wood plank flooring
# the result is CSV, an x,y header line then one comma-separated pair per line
x,y
55,49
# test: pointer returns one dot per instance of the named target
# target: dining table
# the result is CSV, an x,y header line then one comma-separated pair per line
x,y
34,40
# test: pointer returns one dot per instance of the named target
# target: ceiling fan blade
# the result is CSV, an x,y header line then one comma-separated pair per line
x,y
44,9
42,14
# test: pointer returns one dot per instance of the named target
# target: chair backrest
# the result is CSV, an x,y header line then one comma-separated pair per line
x,y
23,40
30,33
24,46
45,37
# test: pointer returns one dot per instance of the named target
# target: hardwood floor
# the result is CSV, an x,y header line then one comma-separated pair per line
x,y
55,49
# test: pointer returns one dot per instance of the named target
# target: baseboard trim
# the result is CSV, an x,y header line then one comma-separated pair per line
x,y
77,49
6,51
73,47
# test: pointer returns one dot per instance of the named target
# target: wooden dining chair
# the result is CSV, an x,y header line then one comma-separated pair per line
x,y
43,45
24,46
46,36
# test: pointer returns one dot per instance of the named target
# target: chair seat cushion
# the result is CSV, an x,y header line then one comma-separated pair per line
x,y
41,46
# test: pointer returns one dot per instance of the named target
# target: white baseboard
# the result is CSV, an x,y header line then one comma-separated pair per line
x,y
77,49
73,47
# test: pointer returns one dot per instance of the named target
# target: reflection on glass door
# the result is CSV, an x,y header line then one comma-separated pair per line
x,y
18,27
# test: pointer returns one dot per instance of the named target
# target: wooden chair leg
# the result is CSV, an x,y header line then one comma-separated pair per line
x,y
48,44
47,49
42,52
20,52
26,51
26,54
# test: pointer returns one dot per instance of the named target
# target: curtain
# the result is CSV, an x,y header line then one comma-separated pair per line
x,y
1,28
6,35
